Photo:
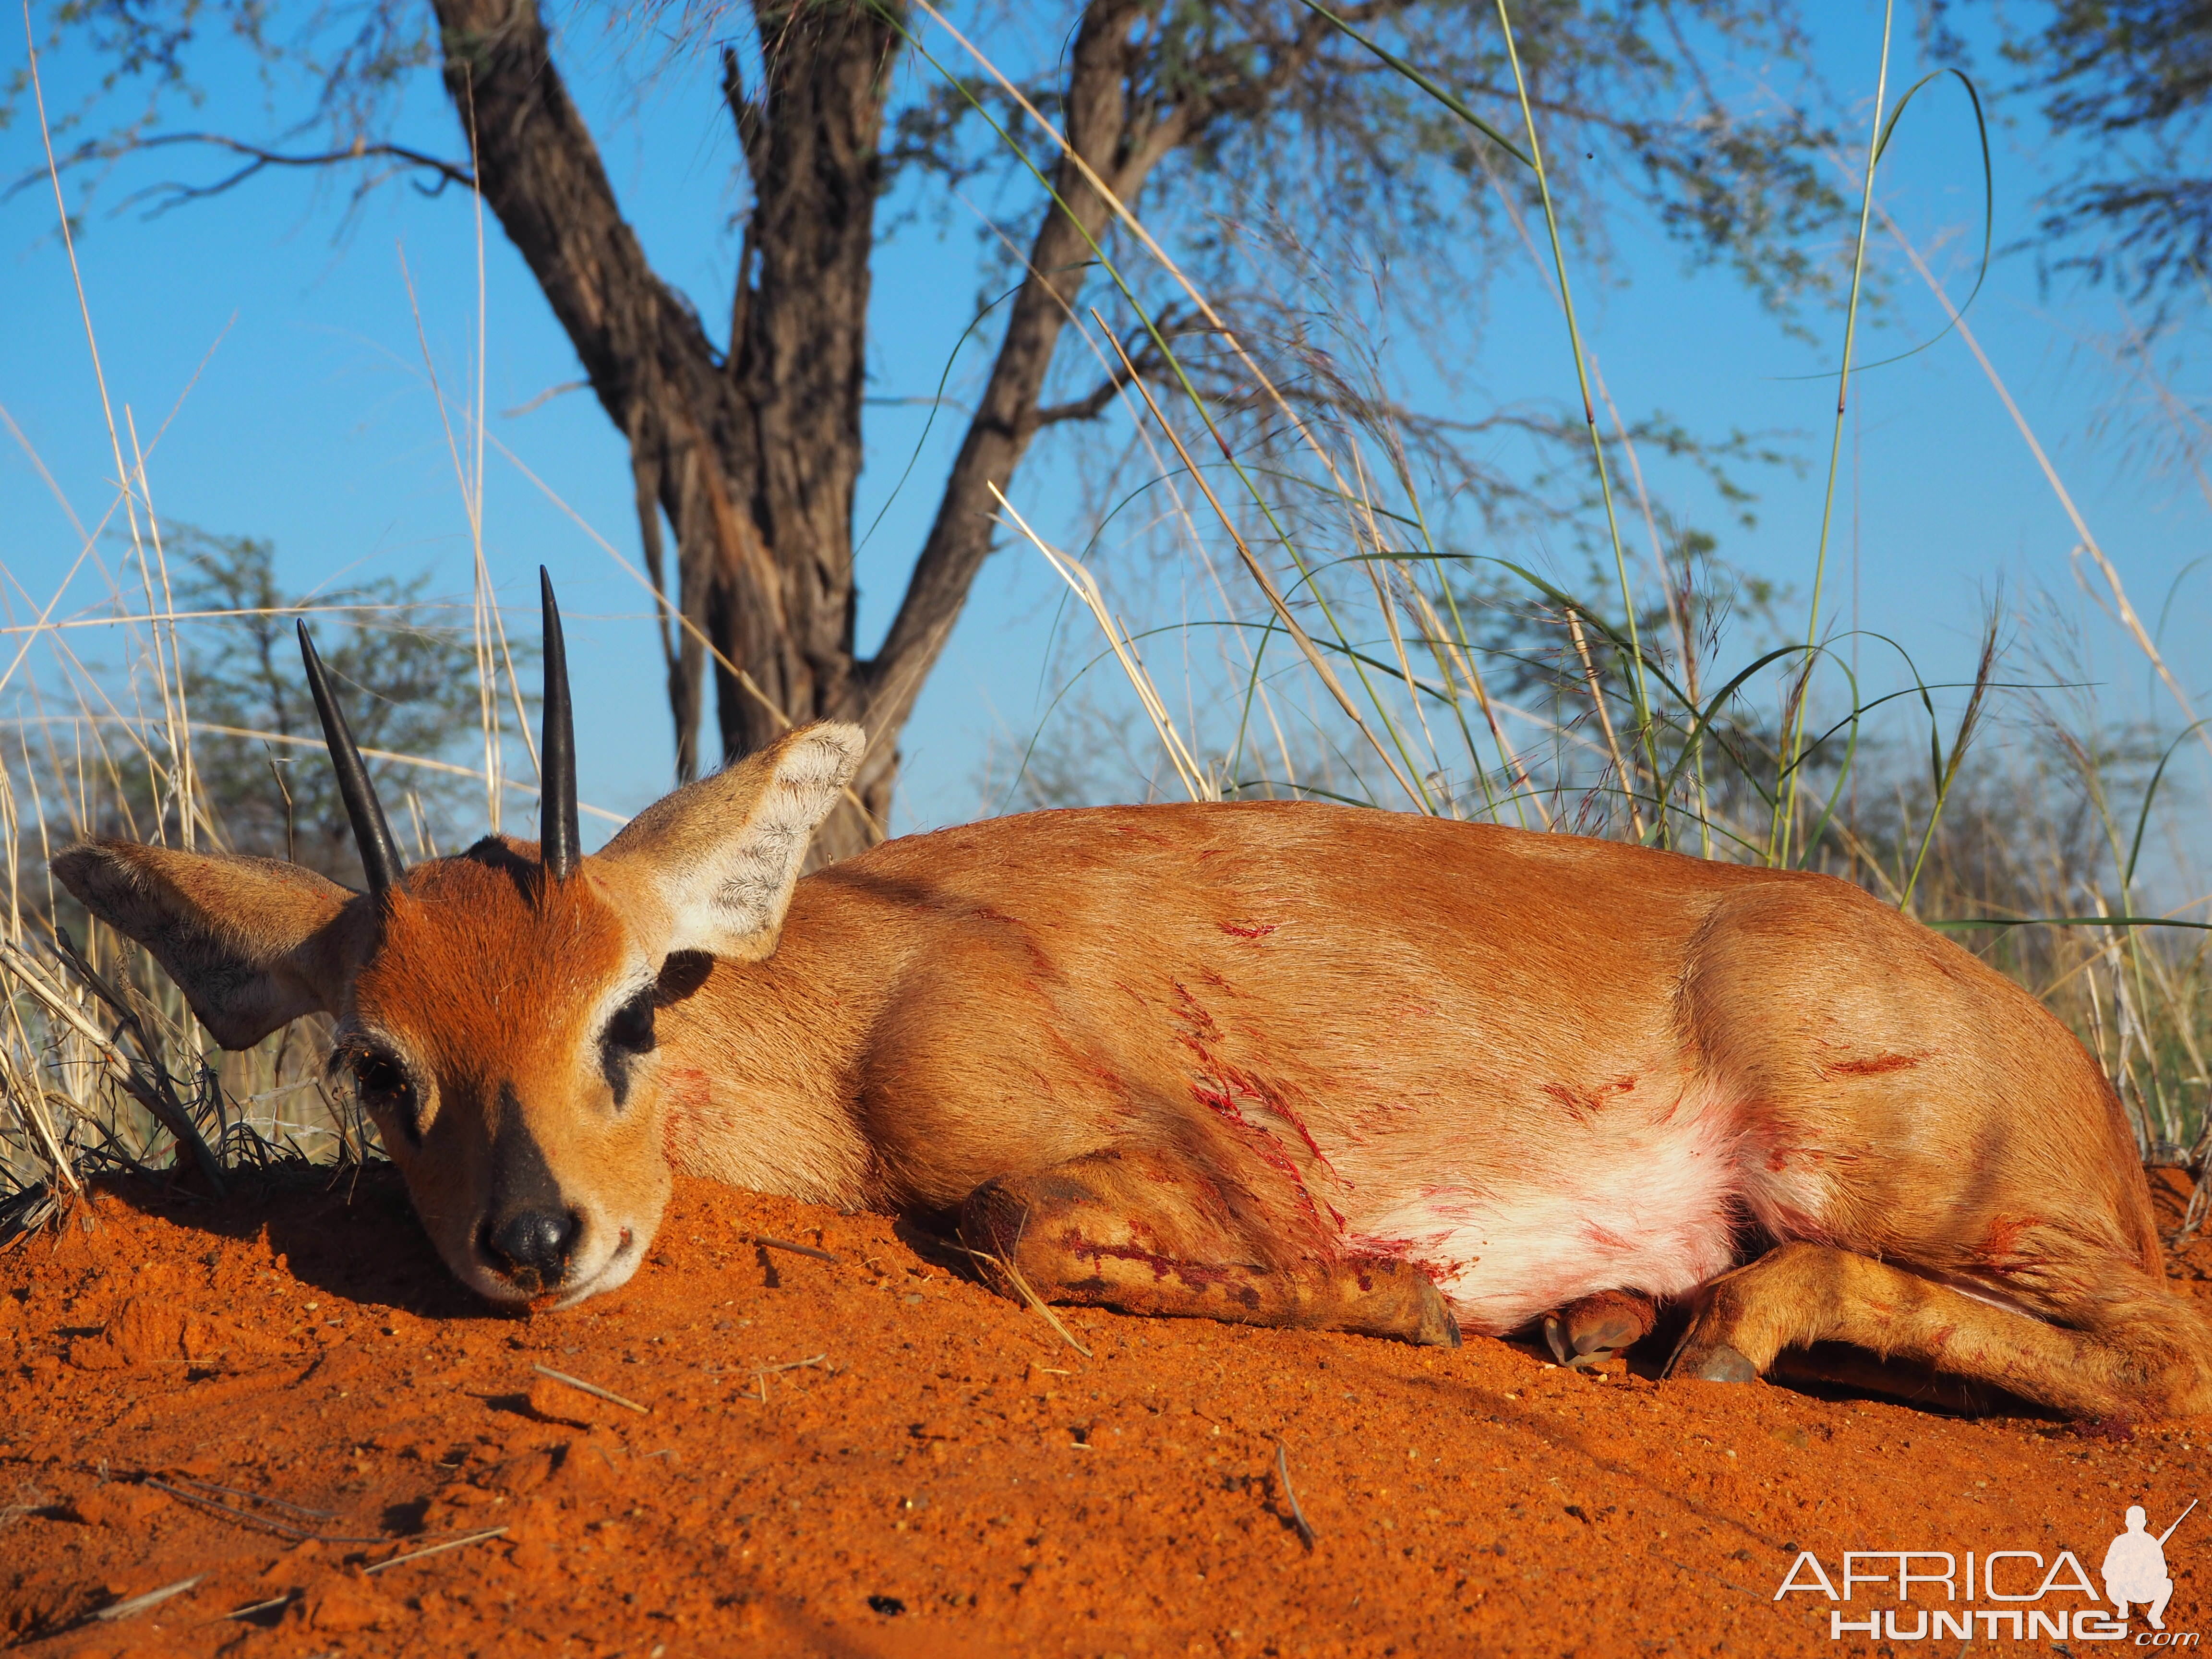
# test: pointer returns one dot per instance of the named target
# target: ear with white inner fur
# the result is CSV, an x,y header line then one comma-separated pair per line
x,y
722,854
254,943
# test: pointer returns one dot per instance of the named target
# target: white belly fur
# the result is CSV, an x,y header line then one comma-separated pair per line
x,y
1630,1199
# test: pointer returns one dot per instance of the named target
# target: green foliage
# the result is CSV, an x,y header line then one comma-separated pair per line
x,y
408,683
1274,110
2136,75
1300,125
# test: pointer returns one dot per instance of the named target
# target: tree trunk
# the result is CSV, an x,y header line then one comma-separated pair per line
x,y
798,361
753,458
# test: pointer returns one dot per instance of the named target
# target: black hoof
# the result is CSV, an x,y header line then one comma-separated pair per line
x,y
1555,1339
1608,1336
1438,1327
1724,1364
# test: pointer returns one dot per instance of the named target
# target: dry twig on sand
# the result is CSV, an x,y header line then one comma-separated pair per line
x,y
450,1544
138,1604
761,1373
592,1389
256,1498
768,1243
252,1608
282,1529
1022,1284
1291,1497
791,1365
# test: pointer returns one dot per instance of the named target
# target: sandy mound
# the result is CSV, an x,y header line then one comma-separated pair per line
x,y
273,1396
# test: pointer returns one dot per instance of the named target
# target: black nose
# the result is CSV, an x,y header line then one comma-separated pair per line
x,y
533,1247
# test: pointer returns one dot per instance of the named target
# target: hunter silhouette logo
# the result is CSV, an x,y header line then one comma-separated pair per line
x,y
2135,1566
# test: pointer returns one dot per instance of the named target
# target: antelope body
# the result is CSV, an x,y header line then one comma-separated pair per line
x,y
1289,1064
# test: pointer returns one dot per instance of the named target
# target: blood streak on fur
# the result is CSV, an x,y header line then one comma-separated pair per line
x,y
1220,1093
1197,1274
1220,1087
1438,1269
1192,1012
1580,1106
1249,929
1874,1068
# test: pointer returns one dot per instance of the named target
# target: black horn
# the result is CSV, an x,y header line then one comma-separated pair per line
x,y
379,855
560,844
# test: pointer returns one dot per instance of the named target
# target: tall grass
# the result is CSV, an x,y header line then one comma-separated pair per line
x,y
102,1066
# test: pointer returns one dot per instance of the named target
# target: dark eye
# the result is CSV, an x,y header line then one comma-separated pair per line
x,y
380,1084
630,1030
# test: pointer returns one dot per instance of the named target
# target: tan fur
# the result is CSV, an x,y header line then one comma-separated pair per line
x,y
1284,1062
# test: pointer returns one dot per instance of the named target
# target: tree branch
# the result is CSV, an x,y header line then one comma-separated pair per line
x,y
1094,403
1098,128
1121,146
258,159
1139,357
541,173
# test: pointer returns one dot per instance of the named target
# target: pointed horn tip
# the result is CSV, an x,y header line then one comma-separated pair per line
x,y
561,841
379,854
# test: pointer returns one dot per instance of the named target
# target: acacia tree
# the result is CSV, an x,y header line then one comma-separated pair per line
x,y
749,446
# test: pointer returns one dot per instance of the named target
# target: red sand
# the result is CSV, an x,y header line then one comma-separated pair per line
x,y
951,1478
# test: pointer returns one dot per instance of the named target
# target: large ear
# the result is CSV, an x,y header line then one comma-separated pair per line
x,y
721,855
252,942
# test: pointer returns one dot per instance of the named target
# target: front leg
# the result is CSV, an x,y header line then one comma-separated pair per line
x,y
1126,1231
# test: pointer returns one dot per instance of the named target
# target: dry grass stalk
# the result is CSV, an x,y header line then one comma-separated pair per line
x,y
252,1608
1604,719
1028,1295
152,1089
1266,583
1290,1496
439,1549
152,1598
592,1389
768,1243
790,1364
1195,781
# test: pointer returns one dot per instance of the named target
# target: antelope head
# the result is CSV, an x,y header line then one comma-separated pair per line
x,y
495,1009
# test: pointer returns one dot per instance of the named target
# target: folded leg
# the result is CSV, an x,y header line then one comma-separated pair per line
x,y
1129,1231
2131,1347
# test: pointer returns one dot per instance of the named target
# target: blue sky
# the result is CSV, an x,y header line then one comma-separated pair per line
x,y
288,371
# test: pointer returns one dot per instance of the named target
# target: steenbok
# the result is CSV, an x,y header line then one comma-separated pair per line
x,y
1283,1063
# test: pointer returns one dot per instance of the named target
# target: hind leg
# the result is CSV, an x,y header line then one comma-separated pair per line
x,y
1124,1231
2140,1350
